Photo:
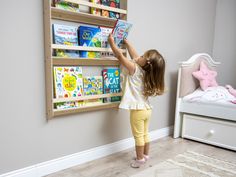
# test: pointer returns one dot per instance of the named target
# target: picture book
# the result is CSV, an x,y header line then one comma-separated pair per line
x,y
95,11
105,13
61,4
111,3
65,35
93,86
115,4
90,37
68,82
121,31
104,41
111,83
69,105
66,53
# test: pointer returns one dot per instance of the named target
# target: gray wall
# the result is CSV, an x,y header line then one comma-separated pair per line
x,y
224,49
178,29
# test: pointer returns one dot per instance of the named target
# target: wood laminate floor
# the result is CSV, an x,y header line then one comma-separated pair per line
x,y
118,165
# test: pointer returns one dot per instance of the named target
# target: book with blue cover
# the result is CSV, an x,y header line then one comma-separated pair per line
x,y
121,31
65,35
93,85
111,83
89,37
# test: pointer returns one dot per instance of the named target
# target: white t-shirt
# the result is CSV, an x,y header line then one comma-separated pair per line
x,y
133,98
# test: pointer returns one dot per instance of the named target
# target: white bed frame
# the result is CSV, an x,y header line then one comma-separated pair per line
x,y
209,123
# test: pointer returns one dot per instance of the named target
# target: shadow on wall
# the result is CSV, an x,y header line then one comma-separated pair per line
x,y
172,96
116,125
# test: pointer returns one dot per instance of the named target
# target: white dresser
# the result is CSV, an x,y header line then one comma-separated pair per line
x,y
213,131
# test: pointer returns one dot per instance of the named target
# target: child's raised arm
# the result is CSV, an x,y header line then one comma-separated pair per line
x,y
130,66
132,52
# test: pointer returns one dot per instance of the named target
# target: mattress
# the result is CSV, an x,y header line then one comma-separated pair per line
x,y
213,102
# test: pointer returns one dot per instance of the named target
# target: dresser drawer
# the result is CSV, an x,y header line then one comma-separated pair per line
x,y
209,130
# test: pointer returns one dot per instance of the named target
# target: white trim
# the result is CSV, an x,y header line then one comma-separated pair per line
x,y
68,161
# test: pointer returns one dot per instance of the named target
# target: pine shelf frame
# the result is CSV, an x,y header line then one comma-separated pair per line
x,y
52,13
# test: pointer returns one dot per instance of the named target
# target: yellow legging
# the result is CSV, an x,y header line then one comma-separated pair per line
x,y
139,121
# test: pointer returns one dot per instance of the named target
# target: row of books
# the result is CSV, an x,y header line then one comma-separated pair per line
x,y
88,36
61,4
69,82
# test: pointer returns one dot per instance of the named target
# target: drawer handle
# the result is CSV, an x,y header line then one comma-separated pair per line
x,y
212,132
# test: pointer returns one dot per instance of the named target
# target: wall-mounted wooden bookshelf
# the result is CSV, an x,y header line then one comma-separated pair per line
x,y
51,13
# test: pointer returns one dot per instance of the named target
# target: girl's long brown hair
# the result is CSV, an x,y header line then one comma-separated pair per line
x,y
154,82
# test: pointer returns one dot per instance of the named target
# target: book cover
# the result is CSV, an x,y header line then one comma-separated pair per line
x,y
65,35
121,31
111,3
69,105
93,86
95,11
104,41
68,82
111,83
105,13
115,4
60,4
89,37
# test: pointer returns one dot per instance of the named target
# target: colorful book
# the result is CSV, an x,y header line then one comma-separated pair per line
x,y
69,105
68,82
121,31
95,11
111,83
61,4
93,86
115,4
89,37
104,41
111,3
65,35
105,13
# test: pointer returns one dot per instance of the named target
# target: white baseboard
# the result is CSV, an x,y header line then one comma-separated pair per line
x,y
68,161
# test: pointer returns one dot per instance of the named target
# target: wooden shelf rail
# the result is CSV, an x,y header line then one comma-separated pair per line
x,y
88,97
83,48
60,61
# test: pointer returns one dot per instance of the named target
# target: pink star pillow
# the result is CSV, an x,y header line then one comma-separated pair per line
x,y
205,76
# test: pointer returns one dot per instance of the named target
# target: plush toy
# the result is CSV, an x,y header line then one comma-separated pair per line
x,y
206,77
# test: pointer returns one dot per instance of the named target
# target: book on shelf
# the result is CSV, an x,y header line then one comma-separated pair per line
x,y
69,105
105,31
115,4
120,31
61,4
105,13
93,85
95,11
65,35
111,83
68,83
89,37
111,3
